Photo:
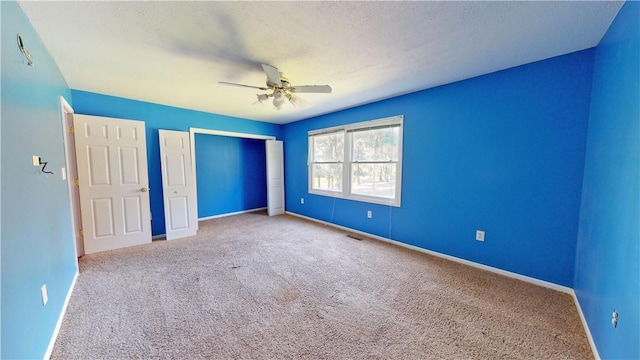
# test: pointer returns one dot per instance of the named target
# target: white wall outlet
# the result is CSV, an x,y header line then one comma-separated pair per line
x,y
479,235
369,214
614,319
45,297
63,171
36,160
302,201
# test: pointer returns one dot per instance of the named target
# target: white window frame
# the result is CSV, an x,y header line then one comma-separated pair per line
x,y
346,130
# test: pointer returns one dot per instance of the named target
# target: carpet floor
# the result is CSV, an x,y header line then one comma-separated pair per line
x,y
256,287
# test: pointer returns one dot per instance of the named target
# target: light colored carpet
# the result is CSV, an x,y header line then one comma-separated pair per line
x,y
254,287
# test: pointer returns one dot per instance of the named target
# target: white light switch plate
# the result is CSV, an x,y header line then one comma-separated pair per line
x,y
479,235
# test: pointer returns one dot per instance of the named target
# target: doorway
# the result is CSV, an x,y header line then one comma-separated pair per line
x,y
122,220
242,156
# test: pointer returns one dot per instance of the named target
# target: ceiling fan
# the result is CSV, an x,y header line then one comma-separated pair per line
x,y
281,90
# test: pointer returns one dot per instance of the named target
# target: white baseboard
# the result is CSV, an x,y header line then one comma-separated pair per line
x,y
585,326
52,342
510,274
231,214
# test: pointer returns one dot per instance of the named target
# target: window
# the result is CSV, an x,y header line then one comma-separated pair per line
x,y
361,161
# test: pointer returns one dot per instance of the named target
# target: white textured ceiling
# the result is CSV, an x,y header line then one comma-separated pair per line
x,y
174,53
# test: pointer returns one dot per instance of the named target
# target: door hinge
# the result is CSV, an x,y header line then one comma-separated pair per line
x,y
81,233
76,182
71,130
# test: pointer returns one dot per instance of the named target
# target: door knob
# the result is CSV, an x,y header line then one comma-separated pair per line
x,y
144,189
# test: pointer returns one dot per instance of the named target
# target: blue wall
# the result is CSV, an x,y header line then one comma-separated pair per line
x,y
608,249
164,117
231,174
504,153
501,153
38,245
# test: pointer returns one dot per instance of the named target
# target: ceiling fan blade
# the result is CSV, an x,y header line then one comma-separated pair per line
x,y
311,89
273,75
242,85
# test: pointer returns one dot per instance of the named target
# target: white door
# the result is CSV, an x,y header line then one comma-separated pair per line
x,y
114,187
275,177
178,187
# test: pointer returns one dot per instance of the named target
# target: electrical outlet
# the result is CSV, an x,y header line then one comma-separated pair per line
x,y
369,214
45,297
614,318
63,171
302,201
36,160
479,235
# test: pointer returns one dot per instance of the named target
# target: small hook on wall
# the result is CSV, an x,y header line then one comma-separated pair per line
x,y
44,165
27,53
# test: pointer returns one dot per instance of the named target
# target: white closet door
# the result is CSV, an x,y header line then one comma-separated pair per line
x,y
275,177
178,185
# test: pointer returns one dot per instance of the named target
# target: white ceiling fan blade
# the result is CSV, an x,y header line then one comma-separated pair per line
x,y
242,85
273,75
326,89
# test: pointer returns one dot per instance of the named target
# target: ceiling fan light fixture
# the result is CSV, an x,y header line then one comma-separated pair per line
x,y
294,100
278,94
278,98
263,97
278,103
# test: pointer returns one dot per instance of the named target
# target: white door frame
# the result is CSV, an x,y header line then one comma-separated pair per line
x,y
192,137
74,207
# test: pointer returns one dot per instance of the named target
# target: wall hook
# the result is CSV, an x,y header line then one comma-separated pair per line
x,y
44,165
26,52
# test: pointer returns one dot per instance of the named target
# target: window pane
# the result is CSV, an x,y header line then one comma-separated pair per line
x,y
327,177
376,144
328,147
374,180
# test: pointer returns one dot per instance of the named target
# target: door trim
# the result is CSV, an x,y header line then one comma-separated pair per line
x,y
65,109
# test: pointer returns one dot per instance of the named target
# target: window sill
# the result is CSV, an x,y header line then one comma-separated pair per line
x,y
360,198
